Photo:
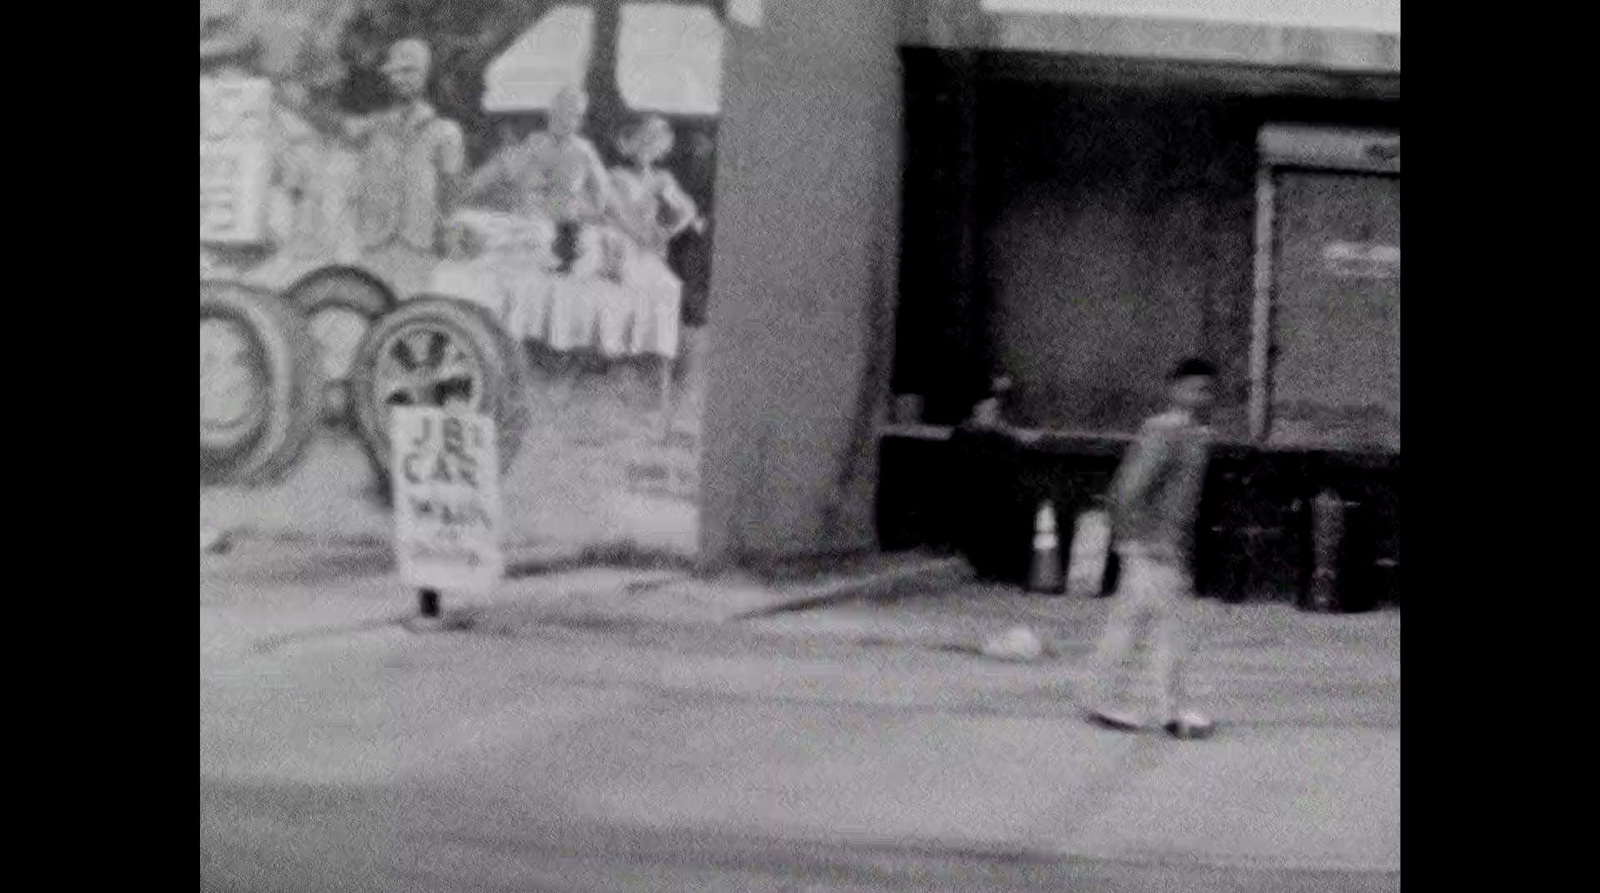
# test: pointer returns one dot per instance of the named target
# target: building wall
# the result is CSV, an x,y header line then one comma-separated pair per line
x,y
1349,35
806,259
1117,235
803,276
1379,16
1118,224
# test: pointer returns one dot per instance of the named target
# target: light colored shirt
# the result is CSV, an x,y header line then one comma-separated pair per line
x,y
410,163
563,179
300,219
1155,496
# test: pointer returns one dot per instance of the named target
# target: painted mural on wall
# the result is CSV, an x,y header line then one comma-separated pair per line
x,y
495,204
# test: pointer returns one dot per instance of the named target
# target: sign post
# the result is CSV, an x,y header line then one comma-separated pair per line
x,y
447,502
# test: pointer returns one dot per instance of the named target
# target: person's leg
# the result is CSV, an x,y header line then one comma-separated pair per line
x,y
1169,649
1174,633
563,378
1108,678
689,370
664,405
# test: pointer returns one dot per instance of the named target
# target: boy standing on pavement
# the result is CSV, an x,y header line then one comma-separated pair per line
x,y
1154,501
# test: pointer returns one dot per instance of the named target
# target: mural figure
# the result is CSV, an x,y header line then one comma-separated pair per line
x,y
649,210
649,205
293,145
555,177
570,256
411,162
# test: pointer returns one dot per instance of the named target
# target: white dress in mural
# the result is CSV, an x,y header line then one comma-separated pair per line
x,y
613,295
648,210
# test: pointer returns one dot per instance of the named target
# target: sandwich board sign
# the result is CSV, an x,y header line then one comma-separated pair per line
x,y
234,163
446,477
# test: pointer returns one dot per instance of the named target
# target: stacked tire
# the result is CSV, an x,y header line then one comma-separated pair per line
x,y
435,351
260,385
325,298
263,376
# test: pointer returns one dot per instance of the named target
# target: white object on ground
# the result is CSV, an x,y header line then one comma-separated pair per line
x,y
1188,724
1091,539
1017,643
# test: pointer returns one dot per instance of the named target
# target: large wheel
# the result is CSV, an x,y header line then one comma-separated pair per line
x,y
260,385
438,352
341,305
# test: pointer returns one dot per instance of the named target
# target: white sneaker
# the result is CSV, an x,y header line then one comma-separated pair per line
x,y
1188,725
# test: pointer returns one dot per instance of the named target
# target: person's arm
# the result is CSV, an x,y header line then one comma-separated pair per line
x,y
1144,463
683,207
494,172
451,157
598,185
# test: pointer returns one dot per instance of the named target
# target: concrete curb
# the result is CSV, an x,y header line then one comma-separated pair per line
x,y
523,558
899,582
814,850
910,579
279,641
1216,859
1045,855
920,577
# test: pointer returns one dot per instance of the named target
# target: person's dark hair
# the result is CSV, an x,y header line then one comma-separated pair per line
x,y
1194,367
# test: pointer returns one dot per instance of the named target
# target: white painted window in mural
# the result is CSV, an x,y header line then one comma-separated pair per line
x,y
553,53
1382,16
669,58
